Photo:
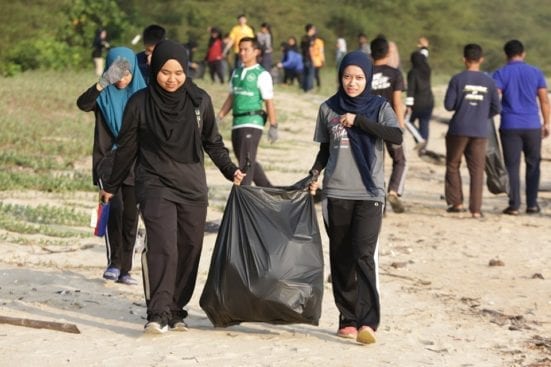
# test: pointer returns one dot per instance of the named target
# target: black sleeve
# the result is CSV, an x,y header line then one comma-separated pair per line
x,y
411,85
87,100
127,150
388,133
213,143
321,158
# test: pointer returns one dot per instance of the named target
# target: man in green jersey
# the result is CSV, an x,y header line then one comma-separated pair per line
x,y
251,88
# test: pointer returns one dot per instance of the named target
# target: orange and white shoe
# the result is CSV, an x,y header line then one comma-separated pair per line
x,y
348,332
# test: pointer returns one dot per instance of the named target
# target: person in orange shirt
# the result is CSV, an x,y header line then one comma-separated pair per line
x,y
239,31
317,53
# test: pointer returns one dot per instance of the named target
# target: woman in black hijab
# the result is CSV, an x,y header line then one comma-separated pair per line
x,y
420,100
167,127
351,128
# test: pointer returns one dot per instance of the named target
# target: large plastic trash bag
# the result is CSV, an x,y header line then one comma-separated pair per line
x,y
267,264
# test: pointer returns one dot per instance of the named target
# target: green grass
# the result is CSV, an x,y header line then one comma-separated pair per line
x,y
42,219
43,140
42,130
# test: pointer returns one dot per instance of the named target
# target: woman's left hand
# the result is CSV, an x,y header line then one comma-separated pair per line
x,y
347,120
238,177
104,196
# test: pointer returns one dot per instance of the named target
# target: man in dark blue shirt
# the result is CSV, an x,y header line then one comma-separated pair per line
x,y
521,131
473,97
152,34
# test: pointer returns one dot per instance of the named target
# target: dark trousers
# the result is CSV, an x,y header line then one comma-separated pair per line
x,y
174,239
423,115
353,229
266,61
216,68
289,76
245,142
236,62
317,77
120,237
515,142
474,150
308,74
398,174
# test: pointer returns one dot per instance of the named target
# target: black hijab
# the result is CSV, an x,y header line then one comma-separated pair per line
x,y
171,115
420,63
366,104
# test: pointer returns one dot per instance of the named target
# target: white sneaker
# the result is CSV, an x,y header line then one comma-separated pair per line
x,y
155,327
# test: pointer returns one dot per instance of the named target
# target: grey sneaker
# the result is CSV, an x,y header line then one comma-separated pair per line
x,y
127,279
111,273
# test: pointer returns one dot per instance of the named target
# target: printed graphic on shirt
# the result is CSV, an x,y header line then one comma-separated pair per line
x,y
241,89
340,137
474,93
380,81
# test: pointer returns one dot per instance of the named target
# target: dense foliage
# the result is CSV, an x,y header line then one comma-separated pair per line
x,y
58,34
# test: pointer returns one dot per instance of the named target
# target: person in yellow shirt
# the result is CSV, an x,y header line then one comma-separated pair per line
x,y
317,53
239,31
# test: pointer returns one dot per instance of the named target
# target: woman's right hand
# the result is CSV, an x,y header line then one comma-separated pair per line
x,y
238,176
104,196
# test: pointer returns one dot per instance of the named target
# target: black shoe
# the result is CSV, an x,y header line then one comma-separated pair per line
x,y
176,321
456,209
156,324
510,211
533,210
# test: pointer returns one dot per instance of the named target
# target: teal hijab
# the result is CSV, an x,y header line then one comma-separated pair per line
x,y
112,100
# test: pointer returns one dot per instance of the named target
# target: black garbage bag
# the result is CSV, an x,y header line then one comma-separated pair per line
x,y
497,179
267,263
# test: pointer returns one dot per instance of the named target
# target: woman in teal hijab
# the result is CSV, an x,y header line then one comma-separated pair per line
x,y
113,98
107,98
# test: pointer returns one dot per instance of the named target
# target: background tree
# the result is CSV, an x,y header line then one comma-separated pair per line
x,y
59,33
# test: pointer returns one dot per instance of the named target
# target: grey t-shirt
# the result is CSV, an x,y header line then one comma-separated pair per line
x,y
342,178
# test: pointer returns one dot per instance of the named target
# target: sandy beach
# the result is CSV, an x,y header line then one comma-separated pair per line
x,y
455,291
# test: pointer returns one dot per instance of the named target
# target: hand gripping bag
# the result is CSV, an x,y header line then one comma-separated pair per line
x,y
267,264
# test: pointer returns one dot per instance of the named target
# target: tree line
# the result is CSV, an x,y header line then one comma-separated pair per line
x,y
42,34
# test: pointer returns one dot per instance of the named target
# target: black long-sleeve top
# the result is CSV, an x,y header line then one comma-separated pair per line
x,y
103,137
419,91
157,174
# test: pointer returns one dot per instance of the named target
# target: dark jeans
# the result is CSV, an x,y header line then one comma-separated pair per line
x,y
120,236
424,116
515,142
216,68
174,239
474,150
308,76
245,142
353,228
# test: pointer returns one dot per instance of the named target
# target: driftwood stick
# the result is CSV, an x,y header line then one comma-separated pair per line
x,y
39,324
